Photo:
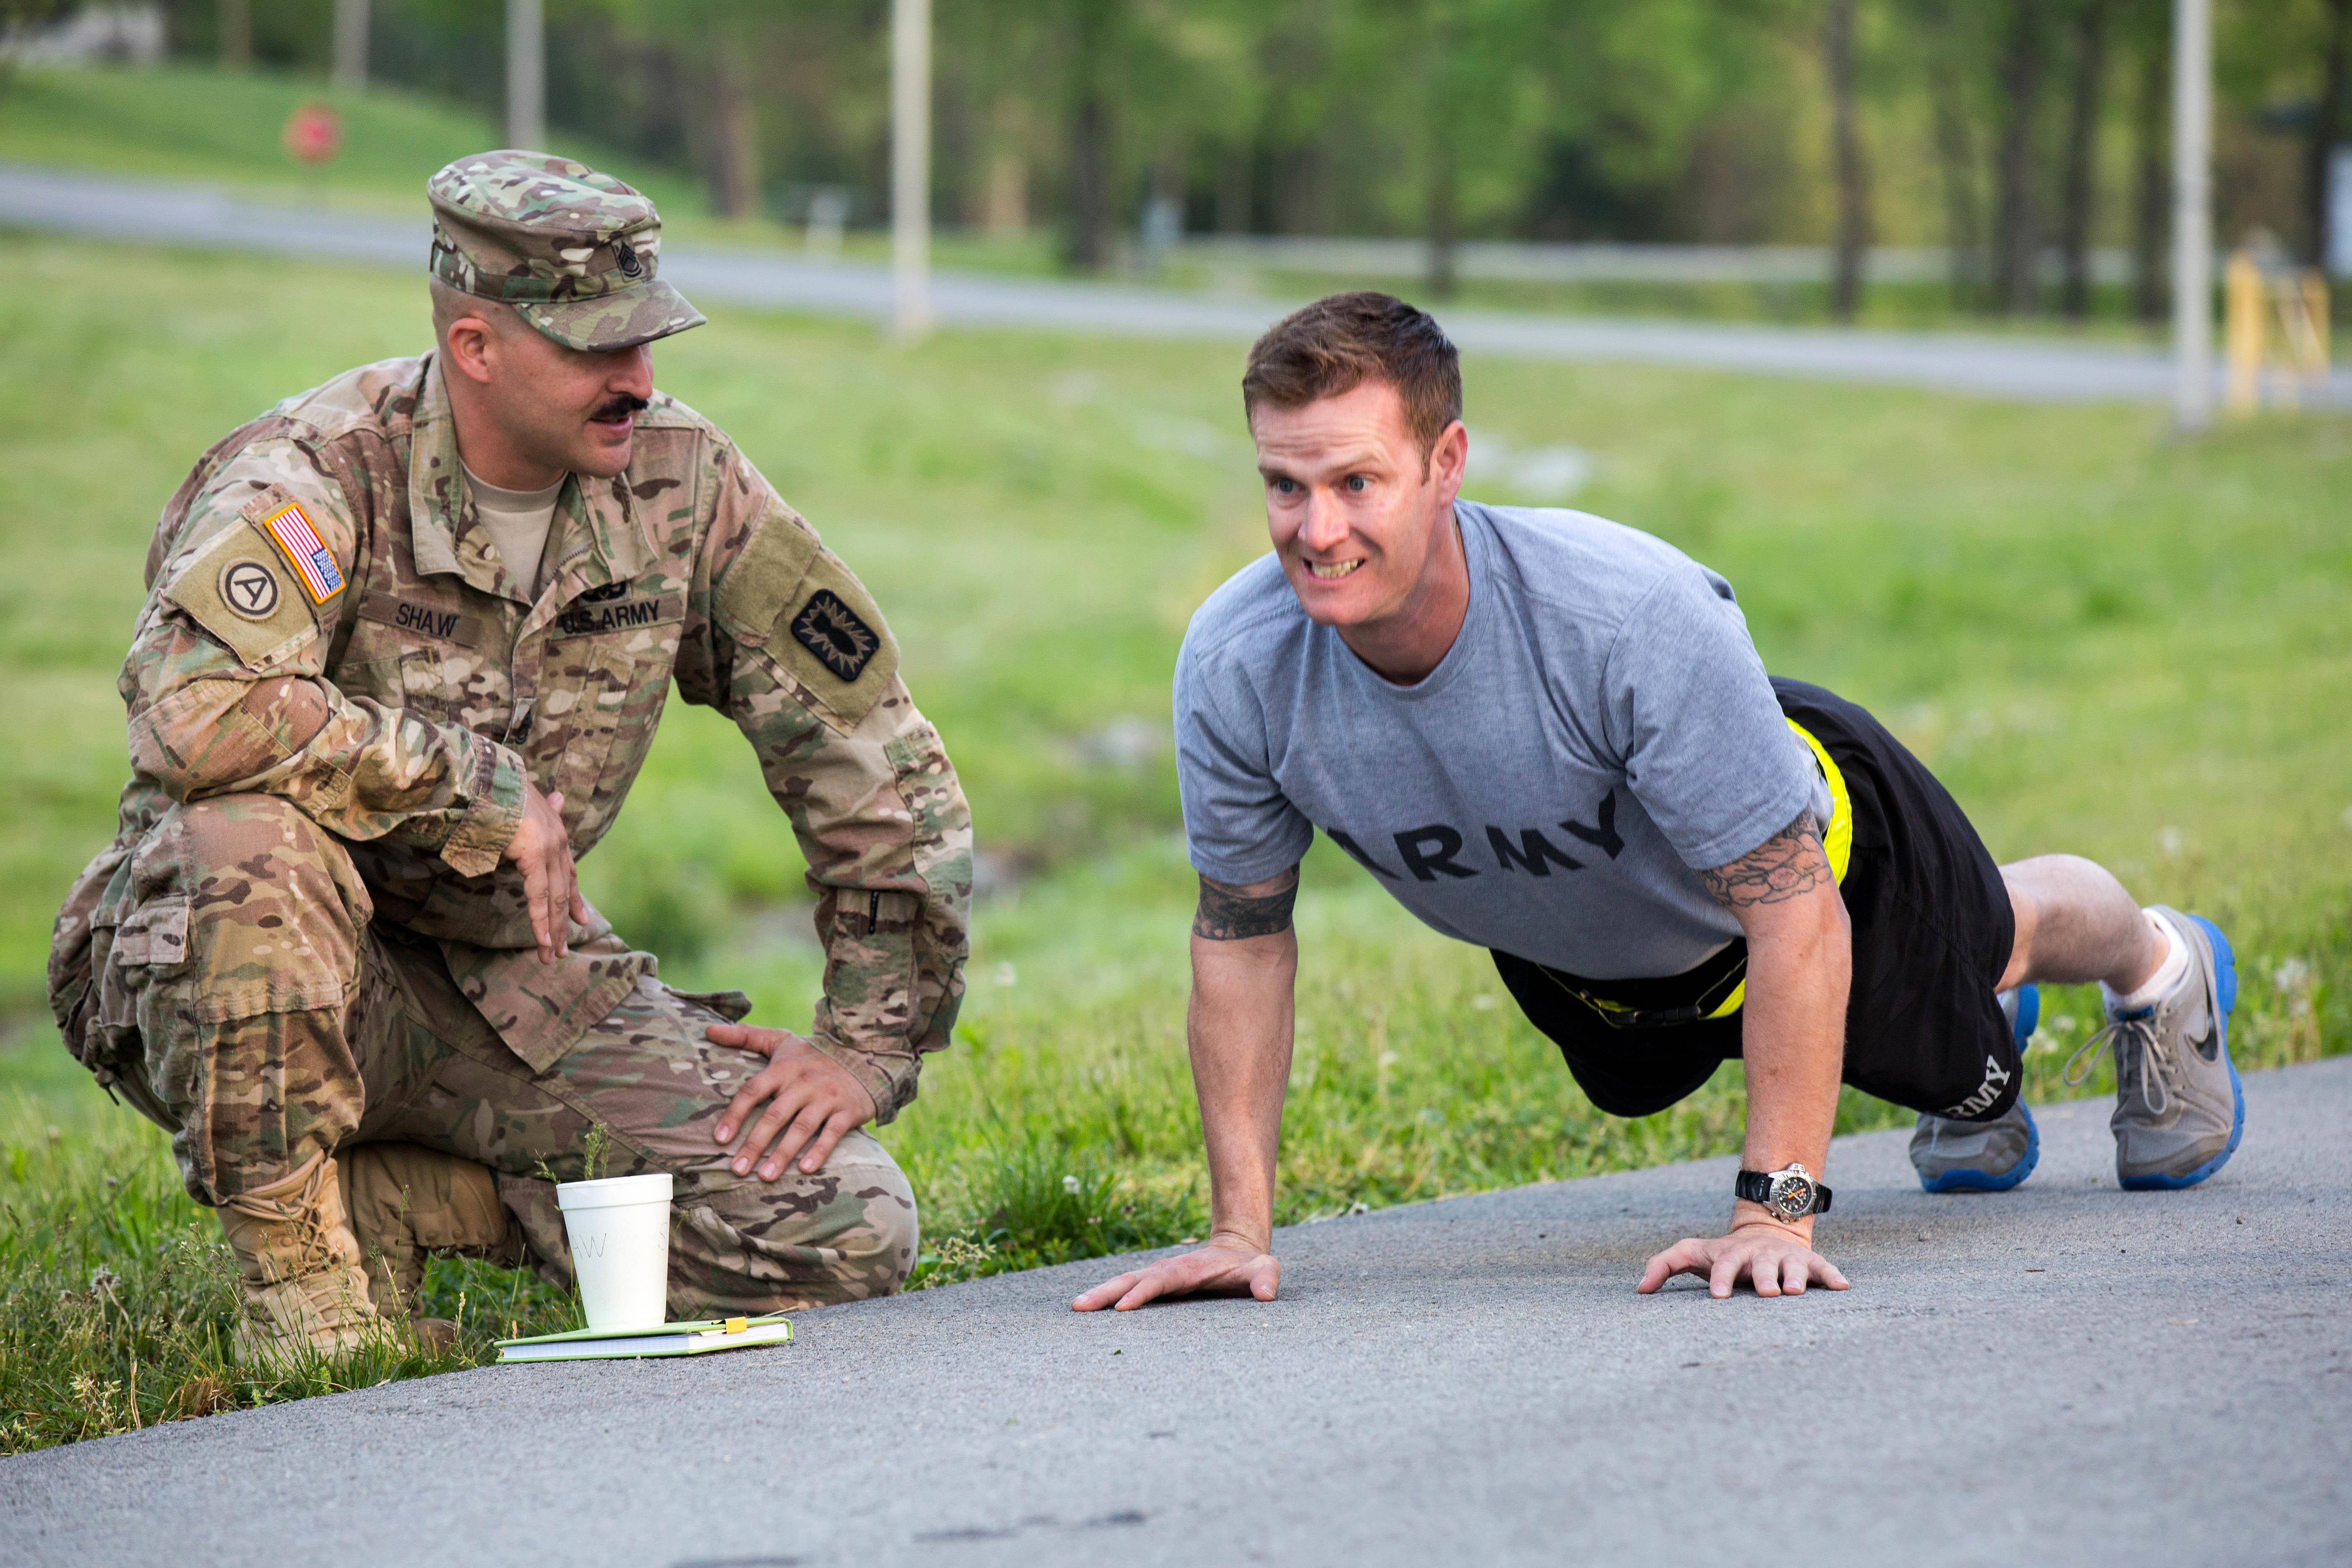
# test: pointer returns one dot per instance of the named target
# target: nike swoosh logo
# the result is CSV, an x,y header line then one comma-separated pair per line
x,y
2205,1047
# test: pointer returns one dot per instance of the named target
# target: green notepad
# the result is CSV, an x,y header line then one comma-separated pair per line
x,y
670,1339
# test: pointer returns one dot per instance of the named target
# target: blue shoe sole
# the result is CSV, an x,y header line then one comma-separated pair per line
x,y
2029,1017
2225,990
1966,1180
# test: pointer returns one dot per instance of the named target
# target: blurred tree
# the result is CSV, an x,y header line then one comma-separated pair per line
x,y
1560,120
1454,66
2326,126
2089,40
1846,155
1095,36
1623,98
2150,26
237,34
2017,258
986,58
28,13
718,42
1953,44
1300,56
805,78
730,132
1117,76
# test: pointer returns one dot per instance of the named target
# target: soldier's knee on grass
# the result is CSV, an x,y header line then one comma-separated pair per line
x,y
235,963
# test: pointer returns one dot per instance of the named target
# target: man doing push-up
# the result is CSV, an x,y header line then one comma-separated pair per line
x,y
1551,736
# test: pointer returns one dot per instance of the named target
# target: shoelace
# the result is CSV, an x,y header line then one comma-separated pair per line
x,y
299,1208
2130,1028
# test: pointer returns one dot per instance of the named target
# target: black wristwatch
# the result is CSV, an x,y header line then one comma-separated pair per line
x,y
1791,1192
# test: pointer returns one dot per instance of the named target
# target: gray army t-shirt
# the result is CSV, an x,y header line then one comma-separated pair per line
x,y
1600,729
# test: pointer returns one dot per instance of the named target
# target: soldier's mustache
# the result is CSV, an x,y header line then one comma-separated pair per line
x,y
620,406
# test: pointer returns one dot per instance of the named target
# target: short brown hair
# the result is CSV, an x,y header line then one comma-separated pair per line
x,y
1340,341
451,306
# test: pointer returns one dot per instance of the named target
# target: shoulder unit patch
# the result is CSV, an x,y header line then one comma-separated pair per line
x,y
793,600
831,637
250,589
244,595
831,630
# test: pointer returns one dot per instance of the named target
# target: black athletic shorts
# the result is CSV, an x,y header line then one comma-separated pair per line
x,y
1932,932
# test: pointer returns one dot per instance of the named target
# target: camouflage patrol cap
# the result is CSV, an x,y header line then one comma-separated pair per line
x,y
574,251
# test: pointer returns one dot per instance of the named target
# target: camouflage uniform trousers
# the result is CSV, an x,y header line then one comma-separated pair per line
x,y
284,1024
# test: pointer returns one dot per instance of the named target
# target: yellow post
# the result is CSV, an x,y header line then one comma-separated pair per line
x,y
2243,331
2315,305
2285,291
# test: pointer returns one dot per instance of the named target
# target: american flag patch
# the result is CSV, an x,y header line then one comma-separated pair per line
x,y
309,558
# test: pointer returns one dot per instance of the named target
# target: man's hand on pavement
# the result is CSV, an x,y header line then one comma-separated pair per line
x,y
1229,1266
812,1103
551,883
1777,1259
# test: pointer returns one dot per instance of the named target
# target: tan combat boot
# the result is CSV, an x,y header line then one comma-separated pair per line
x,y
406,1201
299,1267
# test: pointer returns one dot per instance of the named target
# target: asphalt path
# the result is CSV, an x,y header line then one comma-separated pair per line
x,y
2036,369
2064,1373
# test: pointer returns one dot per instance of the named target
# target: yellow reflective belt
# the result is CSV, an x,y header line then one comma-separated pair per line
x,y
1837,843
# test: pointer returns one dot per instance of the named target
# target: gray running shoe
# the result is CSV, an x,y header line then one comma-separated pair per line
x,y
1976,1156
2179,1110
1983,1156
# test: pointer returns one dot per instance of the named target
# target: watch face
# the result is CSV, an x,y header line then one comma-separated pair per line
x,y
1792,1196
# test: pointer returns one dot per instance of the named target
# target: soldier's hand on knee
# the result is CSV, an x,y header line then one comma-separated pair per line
x,y
812,1103
551,882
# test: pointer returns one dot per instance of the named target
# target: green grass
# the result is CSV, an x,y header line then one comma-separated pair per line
x,y
117,1297
2103,640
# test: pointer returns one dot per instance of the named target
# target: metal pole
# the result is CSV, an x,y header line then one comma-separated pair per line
x,y
351,44
910,167
525,75
2192,212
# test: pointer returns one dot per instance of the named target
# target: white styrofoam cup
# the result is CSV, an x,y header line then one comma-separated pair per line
x,y
619,1230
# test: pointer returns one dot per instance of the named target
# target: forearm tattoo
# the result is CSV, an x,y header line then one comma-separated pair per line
x,y
1228,914
1786,866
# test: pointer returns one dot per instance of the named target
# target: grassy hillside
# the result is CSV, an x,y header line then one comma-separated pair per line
x,y
197,123
2101,640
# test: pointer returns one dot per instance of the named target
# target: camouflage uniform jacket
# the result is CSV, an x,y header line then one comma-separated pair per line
x,y
401,693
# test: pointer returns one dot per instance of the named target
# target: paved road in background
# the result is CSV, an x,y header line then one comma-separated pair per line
x,y
2042,371
2066,1373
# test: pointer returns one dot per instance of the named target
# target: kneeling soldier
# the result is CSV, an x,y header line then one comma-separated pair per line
x,y
407,639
